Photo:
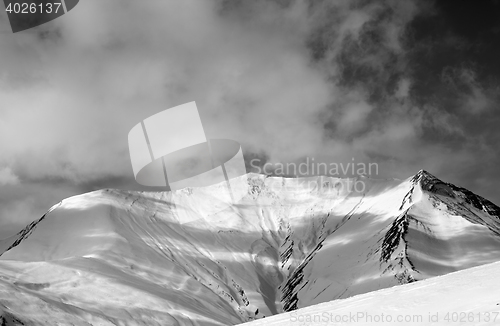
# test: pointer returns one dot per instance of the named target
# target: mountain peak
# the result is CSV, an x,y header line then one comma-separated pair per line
x,y
425,179
430,183
424,175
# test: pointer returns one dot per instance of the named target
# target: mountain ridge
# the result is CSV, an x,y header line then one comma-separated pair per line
x,y
287,244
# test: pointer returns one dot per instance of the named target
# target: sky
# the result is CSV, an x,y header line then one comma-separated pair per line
x,y
407,85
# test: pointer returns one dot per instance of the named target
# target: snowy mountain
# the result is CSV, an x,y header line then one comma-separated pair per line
x,y
114,257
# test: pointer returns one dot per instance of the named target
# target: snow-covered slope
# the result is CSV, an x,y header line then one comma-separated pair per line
x,y
467,297
184,258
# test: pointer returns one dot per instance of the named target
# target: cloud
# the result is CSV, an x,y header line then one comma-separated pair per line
x,y
287,79
403,88
248,67
7,177
475,97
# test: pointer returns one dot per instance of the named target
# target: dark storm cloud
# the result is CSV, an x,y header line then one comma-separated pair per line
x,y
452,55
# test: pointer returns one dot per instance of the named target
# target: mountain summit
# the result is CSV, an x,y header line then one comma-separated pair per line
x,y
114,257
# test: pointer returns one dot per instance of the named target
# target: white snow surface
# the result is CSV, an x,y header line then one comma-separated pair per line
x,y
467,297
188,257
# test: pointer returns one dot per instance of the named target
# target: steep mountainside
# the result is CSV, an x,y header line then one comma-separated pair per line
x,y
187,258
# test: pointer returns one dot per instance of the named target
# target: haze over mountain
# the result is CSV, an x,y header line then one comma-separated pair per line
x,y
114,257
